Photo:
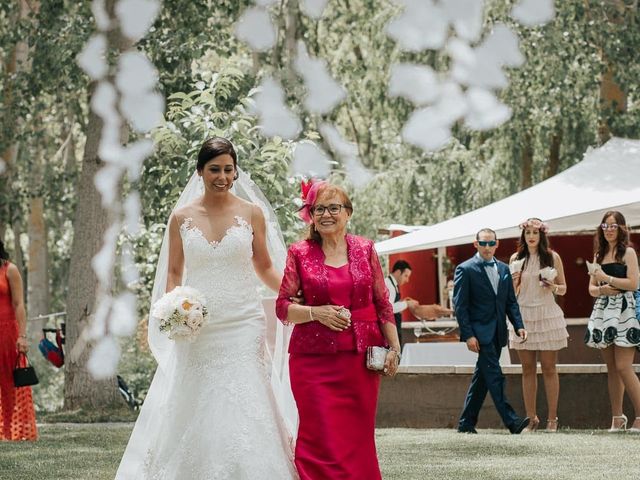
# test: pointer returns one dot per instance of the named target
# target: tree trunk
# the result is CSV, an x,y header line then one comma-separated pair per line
x,y
526,168
38,285
9,157
18,61
69,156
18,257
89,225
554,155
276,50
612,100
290,39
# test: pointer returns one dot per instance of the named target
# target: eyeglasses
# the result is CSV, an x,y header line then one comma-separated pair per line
x,y
334,209
612,226
487,243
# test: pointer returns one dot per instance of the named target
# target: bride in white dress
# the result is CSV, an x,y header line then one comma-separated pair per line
x,y
214,407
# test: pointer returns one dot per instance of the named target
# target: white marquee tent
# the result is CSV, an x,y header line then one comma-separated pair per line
x,y
608,178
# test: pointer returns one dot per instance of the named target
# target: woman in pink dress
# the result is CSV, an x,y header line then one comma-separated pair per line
x,y
335,393
542,317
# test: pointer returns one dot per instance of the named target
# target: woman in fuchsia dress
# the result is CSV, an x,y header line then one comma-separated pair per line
x,y
335,393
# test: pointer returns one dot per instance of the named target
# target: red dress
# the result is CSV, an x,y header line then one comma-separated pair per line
x,y
16,405
337,399
335,394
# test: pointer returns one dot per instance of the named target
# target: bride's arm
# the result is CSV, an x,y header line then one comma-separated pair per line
x,y
176,255
261,259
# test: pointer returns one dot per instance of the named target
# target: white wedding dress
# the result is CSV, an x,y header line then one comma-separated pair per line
x,y
213,414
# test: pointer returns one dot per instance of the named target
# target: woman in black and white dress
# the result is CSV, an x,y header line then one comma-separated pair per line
x,y
613,327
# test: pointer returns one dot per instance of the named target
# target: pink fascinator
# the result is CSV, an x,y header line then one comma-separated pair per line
x,y
308,193
535,223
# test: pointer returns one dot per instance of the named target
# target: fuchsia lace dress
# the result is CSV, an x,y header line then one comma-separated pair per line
x,y
335,393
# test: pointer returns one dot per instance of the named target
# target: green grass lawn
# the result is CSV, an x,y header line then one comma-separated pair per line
x,y
92,451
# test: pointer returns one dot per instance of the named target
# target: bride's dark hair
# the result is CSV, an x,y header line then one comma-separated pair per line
x,y
214,147
4,256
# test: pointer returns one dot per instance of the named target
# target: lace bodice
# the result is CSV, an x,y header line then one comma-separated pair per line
x,y
222,271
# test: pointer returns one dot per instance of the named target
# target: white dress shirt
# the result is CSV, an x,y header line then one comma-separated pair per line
x,y
391,284
492,272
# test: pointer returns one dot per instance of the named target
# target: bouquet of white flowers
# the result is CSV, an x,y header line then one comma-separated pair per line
x,y
592,268
516,265
181,313
547,274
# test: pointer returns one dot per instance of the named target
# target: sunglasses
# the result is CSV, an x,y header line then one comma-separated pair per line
x,y
605,227
487,243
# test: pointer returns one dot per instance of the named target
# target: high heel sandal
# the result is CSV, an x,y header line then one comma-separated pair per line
x,y
634,429
618,428
533,425
552,425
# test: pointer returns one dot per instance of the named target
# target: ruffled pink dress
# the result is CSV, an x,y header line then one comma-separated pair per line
x,y
543,318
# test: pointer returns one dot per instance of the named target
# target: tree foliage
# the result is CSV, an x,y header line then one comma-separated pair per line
x,y
578,86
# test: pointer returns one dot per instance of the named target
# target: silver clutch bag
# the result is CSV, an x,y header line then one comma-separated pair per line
x,y
376,357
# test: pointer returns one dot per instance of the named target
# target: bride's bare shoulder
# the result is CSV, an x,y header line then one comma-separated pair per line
x,y
244,203
184,212
245,208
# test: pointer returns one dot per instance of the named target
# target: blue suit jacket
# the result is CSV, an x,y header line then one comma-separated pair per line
x,y
481,312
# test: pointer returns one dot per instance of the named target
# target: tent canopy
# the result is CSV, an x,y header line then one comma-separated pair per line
x,y
608,178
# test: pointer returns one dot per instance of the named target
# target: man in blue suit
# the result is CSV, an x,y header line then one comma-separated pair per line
x,y
483,297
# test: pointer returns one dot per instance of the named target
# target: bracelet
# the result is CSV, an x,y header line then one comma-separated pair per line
x,y
397,352
555,289
610,280
600,290
398,355
22,336
310,315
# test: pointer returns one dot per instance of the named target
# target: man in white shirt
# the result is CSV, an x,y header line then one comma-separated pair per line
x,y
400,274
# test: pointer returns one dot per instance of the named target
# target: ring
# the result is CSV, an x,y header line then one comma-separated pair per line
x,y
344,313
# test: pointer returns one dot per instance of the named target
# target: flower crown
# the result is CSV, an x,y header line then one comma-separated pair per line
x,y
535,223
308,194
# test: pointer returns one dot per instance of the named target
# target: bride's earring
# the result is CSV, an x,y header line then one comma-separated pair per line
x,y
235,177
